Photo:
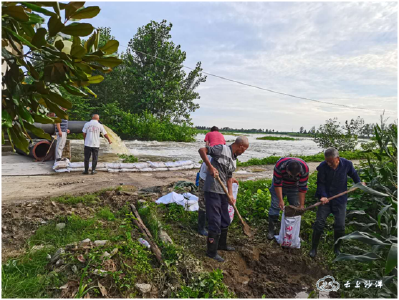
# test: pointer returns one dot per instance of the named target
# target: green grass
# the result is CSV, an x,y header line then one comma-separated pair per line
x,y
275,138
86,199
106,214
271,160
28,275
128,158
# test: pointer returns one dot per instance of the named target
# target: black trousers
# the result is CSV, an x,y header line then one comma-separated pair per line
x,y
323,211
88,152
217,211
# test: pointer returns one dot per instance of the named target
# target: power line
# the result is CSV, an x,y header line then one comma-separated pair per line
x,y
251,85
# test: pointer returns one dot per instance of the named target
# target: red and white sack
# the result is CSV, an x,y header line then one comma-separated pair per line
x,y
231,208
289,232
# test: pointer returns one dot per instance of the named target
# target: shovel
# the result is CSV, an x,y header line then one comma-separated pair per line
x,y
245,228
292,211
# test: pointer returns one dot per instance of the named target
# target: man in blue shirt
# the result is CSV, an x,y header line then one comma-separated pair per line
x,y
332,179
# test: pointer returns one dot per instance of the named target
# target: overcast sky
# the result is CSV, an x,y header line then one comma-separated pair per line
x,y
344,53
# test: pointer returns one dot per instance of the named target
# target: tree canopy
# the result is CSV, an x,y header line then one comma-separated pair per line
x,y
55,59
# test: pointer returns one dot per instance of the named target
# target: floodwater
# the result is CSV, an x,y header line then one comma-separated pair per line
x,y
167,151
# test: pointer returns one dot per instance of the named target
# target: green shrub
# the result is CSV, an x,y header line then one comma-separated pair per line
x,y
128,158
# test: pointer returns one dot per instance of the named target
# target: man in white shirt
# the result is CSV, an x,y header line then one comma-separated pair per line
x,y
91,135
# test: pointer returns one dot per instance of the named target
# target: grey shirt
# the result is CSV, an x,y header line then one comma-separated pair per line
x,y
223,160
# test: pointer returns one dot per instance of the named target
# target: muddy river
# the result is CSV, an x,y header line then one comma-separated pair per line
x,y
164,151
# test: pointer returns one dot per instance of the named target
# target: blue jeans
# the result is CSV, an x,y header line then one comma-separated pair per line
x,y
292,197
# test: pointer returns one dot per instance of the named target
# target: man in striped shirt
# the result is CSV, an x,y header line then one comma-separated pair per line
x,y
290,178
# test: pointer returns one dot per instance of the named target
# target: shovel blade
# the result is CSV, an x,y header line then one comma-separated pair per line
x,y
247,230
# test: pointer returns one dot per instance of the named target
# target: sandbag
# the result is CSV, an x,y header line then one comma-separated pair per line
x,y
231,208
188,200
147,170
128,166
141,165
176,168
80,164
113,170
113,165
289,232
62,170
77,169
129,170
156,164
62,164
186,167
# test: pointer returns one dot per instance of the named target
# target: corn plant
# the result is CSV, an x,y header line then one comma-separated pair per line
x,y
379,222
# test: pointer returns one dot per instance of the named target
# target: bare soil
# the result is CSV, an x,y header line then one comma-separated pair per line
x,y
257,268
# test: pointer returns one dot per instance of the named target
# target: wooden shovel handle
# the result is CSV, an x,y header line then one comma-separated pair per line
x,y
333,197
227,194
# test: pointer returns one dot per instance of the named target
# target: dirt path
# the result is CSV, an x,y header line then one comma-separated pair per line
x,y
27,188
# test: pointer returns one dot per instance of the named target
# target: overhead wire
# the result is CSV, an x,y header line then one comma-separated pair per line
x,y
251,85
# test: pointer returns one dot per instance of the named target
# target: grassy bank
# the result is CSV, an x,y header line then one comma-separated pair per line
x,y
270,160
275,138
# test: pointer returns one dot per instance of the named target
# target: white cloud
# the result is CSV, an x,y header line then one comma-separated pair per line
x,y
341,52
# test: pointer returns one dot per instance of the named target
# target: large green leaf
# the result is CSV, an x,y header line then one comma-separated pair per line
x,y
20,38
90,91
84,67
38,9
46,120
73,90
392,259
364,238
109,61
362,258
39,38
78,51
17,138
37,131
90,42
55,25
17,12
78,29
110,47
6,119
29,31
86,13
96,79
57,99
59,45
380,214
23,113
35,19
72,7
55,109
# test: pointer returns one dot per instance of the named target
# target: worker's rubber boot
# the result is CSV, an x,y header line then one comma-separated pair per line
x,y
223,241
273,219
212,243
201,223
93,172
315,242
337,244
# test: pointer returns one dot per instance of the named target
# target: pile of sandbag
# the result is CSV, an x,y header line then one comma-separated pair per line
x,y
149,166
